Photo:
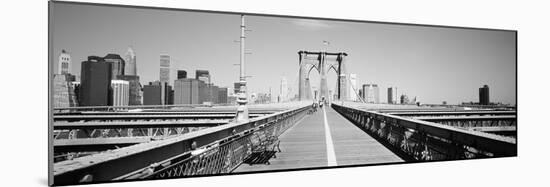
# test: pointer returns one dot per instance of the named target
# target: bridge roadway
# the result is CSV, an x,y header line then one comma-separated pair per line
x,y
324,139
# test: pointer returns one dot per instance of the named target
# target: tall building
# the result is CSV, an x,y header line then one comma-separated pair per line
x,y
283,90
135,88
164,77
170,95
392,95
164,68
344,87
376,94
76,89
371,93
353,89
203,75
206,90
151,94
182,74
186,91
117,64
64,91
484,95
222,95
365,88
203,92
120,92
131,67
95,82
64,63
213,93
167,93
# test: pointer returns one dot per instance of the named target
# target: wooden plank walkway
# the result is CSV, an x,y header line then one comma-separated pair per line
x,y
306,145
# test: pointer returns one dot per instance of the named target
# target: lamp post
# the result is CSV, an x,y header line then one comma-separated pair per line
x,y
242,109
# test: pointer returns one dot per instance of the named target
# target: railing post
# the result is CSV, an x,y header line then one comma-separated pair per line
x,y
376,125
370,122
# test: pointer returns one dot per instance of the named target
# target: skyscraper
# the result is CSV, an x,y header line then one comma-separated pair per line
x,y
151,94
164,77
484,95
64,63
203,75
222,95
164,68
135,88
190,91
206,90
376,90
76,89
117,64
120,92
130,68
344,87
203,92
63,91
392,95
167,93
371,93
182,74
186,91
213,89
283,90
353,87
95,82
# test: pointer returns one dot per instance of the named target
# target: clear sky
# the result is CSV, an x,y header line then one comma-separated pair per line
x,y
432,63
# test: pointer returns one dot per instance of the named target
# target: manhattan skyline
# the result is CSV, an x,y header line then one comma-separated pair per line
x,y
433,63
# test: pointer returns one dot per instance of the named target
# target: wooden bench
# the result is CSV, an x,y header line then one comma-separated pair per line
x,y
264,145
262,142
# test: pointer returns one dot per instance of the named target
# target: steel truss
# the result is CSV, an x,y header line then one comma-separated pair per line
x,y
211,151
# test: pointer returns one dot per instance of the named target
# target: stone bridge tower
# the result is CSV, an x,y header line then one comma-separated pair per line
x,y
322,62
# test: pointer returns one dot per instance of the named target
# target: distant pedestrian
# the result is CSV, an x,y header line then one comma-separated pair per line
x,y
314,106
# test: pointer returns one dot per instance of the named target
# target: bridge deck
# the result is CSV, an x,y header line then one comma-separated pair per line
x,y
308,145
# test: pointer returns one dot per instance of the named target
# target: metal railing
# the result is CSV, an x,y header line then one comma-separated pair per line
x,y
222,156
416,140
210,151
